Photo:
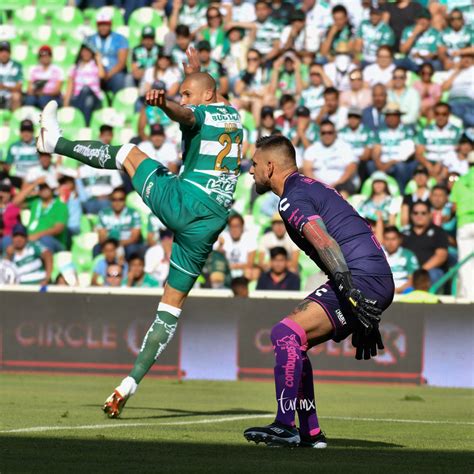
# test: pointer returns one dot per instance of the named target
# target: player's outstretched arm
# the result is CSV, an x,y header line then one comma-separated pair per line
x,y
183,115
330,253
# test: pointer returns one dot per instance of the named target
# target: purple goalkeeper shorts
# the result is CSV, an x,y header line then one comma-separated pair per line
x,y
338,310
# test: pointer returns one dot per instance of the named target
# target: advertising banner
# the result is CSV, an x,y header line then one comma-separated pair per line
x,y
77,333
401,361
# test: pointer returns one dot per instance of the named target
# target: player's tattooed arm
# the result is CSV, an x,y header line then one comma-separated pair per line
x,y
176,112
327,248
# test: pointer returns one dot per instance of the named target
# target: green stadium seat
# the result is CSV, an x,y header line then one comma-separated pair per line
x,y
261,220
307,269
25,112
243,194
70,120
45,34
106,116
140,18
85,224
124,102
5,116
392,186
123,135
84,133
13,4
26,20
50,5
67,19
62,263
5,141
25,216
81,249
24,54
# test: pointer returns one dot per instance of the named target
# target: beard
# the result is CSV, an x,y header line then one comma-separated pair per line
x,y
262,188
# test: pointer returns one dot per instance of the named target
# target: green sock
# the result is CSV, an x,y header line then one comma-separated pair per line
x,y
92,153
156,339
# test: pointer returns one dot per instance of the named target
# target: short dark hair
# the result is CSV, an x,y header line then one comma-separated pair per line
x,y
110,241
256,51
119,189
270,142
421,203
421,278
183,30
386,47
339,9
239,281
441,187
331,90
106,128
285,98
391,228
236,216
399,68
425,65
442,104
326,122
277,251
136,256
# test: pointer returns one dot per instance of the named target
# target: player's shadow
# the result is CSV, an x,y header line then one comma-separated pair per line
x,y
360,443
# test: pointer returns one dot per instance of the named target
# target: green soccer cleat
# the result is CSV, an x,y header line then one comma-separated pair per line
x,y
318,441
274,435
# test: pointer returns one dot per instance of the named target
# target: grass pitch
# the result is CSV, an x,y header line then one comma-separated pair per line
x,y
197,427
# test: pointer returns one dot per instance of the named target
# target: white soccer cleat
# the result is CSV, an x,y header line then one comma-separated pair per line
x,y
49,128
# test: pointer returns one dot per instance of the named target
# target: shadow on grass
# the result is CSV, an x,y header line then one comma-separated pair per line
x,y
102,455
176,413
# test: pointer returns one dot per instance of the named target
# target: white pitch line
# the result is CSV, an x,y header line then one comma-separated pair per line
x,y
39,429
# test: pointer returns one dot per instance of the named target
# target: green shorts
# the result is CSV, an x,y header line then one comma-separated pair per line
x,y
195,226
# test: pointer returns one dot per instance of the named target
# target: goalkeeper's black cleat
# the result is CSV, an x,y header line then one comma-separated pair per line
x,y
318,441
274,435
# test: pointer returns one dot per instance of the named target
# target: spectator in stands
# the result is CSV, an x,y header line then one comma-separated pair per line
x,y
235,61
427,241
394,147
286,76
22,154
318,20
157,257
48,215
240,287
360,138
331,110
181,42
214,33
381,71
421,194
459,163
399,15
338,70
312,95
68,194
402,261
216,271
359,94
9,213
430,93
340,32
239,248
293,36
372,34
114,275
190,13
380,200
109,256
113,49
251,88
121,223
277,237
45,168
160,149
331,160
145,55
136,276
307,132
11,77
45,81
373,117
420,43
83,87
442,210
286,122
267,122
282,11
462,197
214,68
165,72
278,277
154,228
437,141
461,89
456,40
421,285
34,263
407,98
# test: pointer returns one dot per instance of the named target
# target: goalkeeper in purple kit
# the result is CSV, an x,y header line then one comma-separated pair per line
x,y
359,288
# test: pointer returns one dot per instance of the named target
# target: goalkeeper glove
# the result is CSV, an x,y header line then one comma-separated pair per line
x,y
367,344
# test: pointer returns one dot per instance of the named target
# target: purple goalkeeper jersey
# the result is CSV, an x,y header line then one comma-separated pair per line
x,y
305,199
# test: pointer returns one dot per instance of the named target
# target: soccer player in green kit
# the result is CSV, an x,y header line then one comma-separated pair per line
x,y
194,205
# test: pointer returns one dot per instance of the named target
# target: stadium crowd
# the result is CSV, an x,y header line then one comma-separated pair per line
x,y
377,98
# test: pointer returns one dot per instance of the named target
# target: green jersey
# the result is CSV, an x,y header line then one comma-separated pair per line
x,y
455,40
29,263
145,58
267,33
313,99
359,139
147,282
119,226
392,141
46,217
439,142
212,151
374,36
22,155
426,43
461,195
403,263
10,74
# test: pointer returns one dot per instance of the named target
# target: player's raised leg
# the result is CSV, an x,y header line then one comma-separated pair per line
x,y
307,326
